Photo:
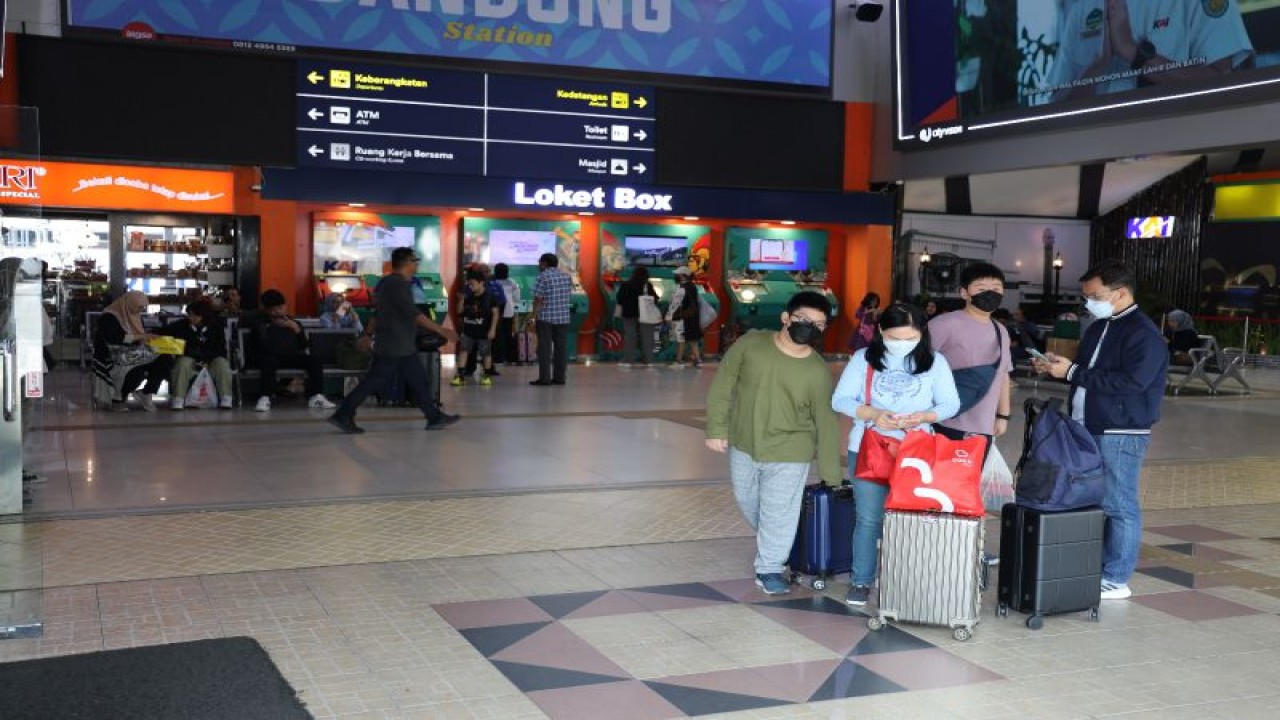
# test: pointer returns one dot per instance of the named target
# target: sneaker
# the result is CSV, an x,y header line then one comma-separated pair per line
x,y
144,400
264,404
226,403
486,381
346,425
624,365
1115,591
443,421
773,584
457,381
177,404
858,595
320,401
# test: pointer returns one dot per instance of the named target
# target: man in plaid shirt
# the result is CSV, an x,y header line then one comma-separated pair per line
x,y
551,310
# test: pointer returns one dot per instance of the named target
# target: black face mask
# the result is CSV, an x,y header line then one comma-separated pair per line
x,y
803,333
987,300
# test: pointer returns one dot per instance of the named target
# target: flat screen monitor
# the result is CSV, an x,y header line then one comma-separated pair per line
x,y
656,250
785,255
520,247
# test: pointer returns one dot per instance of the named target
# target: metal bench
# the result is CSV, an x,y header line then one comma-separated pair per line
x,y
324,347
1211,365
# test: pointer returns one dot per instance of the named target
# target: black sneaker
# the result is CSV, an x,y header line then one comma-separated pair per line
x,y
442,421
858,595
346,425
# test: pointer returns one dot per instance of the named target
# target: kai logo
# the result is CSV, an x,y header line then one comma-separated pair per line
x,y
21,181
340,79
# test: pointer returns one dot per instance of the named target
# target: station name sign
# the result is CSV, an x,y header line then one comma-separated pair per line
x,y
567,197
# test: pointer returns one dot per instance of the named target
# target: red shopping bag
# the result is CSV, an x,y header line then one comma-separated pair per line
x,y
935,473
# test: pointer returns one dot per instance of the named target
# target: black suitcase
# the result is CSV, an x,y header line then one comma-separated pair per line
x,y
1050,562
824,537
397,395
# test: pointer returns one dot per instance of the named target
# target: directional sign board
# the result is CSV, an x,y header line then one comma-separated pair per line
x,y
361,116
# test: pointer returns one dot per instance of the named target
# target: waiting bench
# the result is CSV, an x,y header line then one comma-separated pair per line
x,y
324,347
1212,365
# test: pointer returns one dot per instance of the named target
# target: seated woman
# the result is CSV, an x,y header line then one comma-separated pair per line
x,y
1180,333
911,387
337,314
121,359
206,348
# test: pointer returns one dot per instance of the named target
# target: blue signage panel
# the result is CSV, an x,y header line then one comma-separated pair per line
x,y
776,41
355,115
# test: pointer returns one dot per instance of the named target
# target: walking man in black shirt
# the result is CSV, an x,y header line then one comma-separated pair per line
x,y
393,331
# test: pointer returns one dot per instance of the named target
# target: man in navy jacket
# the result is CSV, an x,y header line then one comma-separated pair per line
x,y
1117,385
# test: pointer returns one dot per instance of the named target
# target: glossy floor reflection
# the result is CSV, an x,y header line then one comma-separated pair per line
x,y
574,552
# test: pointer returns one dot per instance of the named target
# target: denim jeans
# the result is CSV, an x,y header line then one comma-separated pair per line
x,y
868,511
1122,457
769,494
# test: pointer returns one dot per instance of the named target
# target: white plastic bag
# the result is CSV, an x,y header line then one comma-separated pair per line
x,y
997,481
649,312
203,393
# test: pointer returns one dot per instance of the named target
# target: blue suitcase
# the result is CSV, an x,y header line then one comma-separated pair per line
x,y
824,538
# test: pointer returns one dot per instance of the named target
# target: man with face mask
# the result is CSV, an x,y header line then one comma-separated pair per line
x,y
769,407
1116,391
977,348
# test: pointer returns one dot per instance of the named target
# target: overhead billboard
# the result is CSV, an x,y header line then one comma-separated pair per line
x,y
772,41
978,68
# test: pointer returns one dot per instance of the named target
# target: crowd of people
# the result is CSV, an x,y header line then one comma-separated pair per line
x,y
773,410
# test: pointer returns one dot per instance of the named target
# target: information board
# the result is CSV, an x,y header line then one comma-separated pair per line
x,y
364,116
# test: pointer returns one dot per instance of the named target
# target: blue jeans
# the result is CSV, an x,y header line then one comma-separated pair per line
x,y
868,511
1122,457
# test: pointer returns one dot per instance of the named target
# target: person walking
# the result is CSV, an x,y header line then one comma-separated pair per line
x,y
393,331
551,294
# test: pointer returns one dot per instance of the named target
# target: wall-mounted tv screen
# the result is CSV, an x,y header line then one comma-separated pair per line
x,y
980,70
1160,226
656,250
771,254
520,247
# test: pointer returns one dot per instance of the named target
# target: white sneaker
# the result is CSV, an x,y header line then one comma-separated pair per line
x,y
177,404
1115,591
144,400
320,401
226,403
264,404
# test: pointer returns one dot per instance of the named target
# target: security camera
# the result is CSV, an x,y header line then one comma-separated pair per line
x,y
867,11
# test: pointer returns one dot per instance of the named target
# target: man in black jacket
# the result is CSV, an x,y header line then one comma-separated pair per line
x,y
280,342
1117,387
205,348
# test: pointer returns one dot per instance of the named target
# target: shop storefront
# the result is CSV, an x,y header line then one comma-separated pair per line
x,y
106,229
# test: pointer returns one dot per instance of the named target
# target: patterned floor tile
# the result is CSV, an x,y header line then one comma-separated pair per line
x,y
850,680
926,669
539,677
1173,575
488,613
888,639
494,639
696,701
1192,533
614,602
1193,605
1206,552
556,646
558,606
626,700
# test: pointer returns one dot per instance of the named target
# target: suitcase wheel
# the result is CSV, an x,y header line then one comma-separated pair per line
x,y
1035,622
1093,614
819,584
961,634
874,623
1002,610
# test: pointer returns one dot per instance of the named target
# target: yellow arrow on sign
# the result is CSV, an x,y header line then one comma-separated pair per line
x,y
314,77
641,102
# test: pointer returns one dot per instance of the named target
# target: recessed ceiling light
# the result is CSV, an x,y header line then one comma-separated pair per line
x,y
356,205
475,209
788,222
692,217
585,212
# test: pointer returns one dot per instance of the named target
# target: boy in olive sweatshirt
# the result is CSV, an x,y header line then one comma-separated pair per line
x,y
769,407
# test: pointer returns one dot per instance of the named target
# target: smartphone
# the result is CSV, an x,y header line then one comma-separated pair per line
x,y
1038,355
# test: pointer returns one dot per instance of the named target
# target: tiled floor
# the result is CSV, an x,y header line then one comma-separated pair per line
x,y
575,553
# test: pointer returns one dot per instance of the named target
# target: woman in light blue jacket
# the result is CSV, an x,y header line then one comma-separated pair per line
x,y
911,387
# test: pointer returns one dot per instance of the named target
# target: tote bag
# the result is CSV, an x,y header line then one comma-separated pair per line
x,y
649,313
876,452
934,473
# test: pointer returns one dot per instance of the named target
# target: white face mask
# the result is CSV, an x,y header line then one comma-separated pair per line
x,y
900,348
1100,309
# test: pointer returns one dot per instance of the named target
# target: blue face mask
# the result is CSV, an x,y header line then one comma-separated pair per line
x,y
1100,309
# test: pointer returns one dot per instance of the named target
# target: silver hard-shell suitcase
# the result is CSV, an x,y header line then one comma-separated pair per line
x,y
930,571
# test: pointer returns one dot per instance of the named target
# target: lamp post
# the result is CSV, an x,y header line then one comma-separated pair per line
x,y
925,259
1057,274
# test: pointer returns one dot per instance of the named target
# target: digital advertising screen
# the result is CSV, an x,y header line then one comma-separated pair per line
x,y
656,250
785,255
969,69
520,247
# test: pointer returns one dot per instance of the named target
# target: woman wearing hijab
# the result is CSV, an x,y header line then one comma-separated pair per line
x,y
121,358
338,314
1180,333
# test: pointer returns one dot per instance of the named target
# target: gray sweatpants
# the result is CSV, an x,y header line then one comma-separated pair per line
x,y
769,496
